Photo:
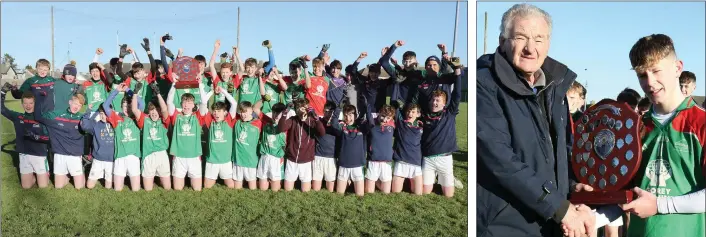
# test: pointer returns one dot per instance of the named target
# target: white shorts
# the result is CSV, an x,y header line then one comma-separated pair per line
x,y
33,164
379,170
64,165
270,167
354,174
324,168
440,165
101,170
156,163
129,164
294,170
407,170
242,173
223,171
182,166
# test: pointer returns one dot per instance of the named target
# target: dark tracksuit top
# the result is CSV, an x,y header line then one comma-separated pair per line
x,y
380,138
439,136
103,137
353,142
31,137
326,144
41,88
407,91
63,91
64,133
371,88
408,138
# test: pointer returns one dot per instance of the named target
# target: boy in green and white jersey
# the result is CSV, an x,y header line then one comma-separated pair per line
x,y
154,125
127,142
272,143
247,136
220,124
186,136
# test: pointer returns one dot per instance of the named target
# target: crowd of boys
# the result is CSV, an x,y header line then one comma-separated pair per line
x,y
245,123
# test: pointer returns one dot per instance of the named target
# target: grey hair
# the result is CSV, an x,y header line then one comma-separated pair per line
x,y
522,10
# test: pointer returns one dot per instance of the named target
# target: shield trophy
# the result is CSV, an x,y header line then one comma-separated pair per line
x,y
187,69
606,153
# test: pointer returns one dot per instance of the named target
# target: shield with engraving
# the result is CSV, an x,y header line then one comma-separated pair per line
x,y
187,71
606,153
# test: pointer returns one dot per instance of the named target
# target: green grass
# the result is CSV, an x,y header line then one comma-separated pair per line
x,y
223,212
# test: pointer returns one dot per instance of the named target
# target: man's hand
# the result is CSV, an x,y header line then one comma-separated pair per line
x,y
644,206
442,47
99,51
363,55
399,43
579,187
589,222
146,44
574,221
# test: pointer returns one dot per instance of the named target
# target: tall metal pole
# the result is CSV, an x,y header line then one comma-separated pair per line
x,y
52,37
453,51
485,33
237,43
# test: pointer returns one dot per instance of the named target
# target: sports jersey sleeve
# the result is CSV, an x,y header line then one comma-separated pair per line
x,y
173,118
9,114
88,122
166,121
114,119
207,119
141,121
231,121
237,80
202,118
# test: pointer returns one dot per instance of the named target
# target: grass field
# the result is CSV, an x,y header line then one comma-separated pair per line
x,y
223,212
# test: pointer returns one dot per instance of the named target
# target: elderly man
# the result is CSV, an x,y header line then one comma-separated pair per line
x,y
523,134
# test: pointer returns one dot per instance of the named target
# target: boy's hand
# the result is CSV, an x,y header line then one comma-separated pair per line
x,y
399,43
122,87
217,90
224,55
123,50
99,51
146,44
138,86
363,55
384,50
129,49
169,53
325,47
326,58
394,61
306,58
217,44
155,88
267,44
180,52
442,47
175,77
236,52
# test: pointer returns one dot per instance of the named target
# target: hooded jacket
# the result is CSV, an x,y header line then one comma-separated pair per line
x,y
523,138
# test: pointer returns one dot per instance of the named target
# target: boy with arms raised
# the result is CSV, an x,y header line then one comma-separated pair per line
x,y
186,137
220,124
352,134
439,138
372,81
296,80
223,79
272,144
671,184
103,144
247,136
381,130
66,140
324,166
155,160
31,141
302,130
127,142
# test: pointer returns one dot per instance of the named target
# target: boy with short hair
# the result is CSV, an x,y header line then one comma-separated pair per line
x,y
66,140
372,82
316,87
296,80
155,160
302,130
66,86
272,144
353,139
41,85
220,124
439,138
324,166
381,130
31,141
408,152
95,88
248,88
103,152
127,142
247,136
186,136
222,80
687,83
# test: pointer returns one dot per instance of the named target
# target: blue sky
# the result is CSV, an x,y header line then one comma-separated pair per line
x,y
594,39
295,28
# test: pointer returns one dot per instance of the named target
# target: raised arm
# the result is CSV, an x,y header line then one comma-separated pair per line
x,y
284,123
111,97
257,107
9,114
133,105
162,105
96,57
335,121
271,58
233,103
88,122
456,93
385,59
153,65
170,97
203,107
212,62
445,59
163,57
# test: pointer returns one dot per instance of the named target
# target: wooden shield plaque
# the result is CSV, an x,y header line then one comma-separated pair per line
x,y
606,153
187,69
